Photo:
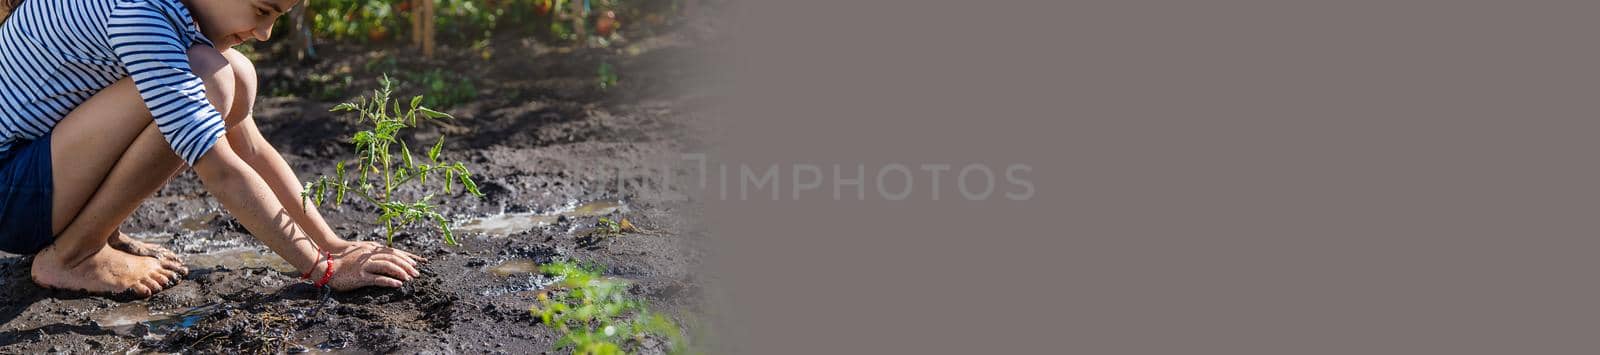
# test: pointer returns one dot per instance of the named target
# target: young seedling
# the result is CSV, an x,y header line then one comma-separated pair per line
x,y
595,315
383,169
607,228
612,227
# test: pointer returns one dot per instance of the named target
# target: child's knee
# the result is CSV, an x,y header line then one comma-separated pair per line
x,y
218,74
244,72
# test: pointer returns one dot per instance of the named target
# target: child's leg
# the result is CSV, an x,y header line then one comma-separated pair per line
x,y
105,269
243,105
141,171
88,142
112,188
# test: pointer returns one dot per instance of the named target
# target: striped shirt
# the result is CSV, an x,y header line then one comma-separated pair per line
x,y
55,54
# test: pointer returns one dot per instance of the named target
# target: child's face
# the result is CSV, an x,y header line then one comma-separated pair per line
x,y
229,23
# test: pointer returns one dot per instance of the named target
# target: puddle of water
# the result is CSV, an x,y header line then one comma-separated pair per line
x,y
121,320
128,319
181,320
521,275
200,222
506,224
515,267
156,238
238,258
594,209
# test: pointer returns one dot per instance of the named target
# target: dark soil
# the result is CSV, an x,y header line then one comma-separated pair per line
x,y
539,136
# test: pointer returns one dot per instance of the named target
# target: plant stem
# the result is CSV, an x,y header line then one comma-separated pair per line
x,y
358,192
388,175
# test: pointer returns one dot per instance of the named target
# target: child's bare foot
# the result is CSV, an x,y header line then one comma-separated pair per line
x,y
107,271
121,241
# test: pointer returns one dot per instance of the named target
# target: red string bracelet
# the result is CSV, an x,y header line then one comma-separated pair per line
x,y
307,275
326,275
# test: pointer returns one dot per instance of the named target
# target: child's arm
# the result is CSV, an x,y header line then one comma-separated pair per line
x,y
266,161
245,194
248,142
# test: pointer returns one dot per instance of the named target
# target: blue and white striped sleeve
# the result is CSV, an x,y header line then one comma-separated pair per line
x,y
148,44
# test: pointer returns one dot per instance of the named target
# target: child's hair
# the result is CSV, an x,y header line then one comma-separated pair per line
x,y
5,8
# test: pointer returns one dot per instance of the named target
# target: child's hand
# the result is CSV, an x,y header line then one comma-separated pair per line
x,y
347,247
365,264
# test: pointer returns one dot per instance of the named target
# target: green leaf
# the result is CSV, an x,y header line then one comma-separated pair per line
x,y
433,154
410,164
322,189
444,225
344,107
586,312
449,175
431,114
305,195
415,102
340,194
466,181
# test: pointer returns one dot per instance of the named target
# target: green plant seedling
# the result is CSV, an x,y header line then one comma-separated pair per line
x,y
609,226
381,168
595,314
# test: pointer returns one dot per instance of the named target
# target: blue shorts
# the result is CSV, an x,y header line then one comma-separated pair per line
x,y
26,186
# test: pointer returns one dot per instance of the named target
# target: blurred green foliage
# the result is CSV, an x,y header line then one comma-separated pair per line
x,y
442,89
470,21
473,26
596,315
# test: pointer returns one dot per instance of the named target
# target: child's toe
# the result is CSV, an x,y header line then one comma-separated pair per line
x,y
174,266
141,290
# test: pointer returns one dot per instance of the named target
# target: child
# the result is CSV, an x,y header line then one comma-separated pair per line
x,y
103,101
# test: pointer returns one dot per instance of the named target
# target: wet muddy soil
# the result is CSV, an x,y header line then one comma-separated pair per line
x,y
553,154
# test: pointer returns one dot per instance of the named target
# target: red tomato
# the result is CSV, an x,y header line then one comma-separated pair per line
x,y
542,7
606,24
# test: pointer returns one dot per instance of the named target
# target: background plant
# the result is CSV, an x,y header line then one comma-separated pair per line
x,y
594,314
473,25
383,169
442,89
369,20
474,21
